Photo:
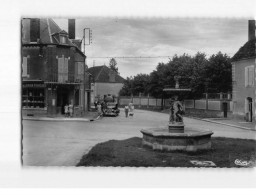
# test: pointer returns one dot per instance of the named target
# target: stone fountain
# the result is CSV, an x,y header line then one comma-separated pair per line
x,y
175,136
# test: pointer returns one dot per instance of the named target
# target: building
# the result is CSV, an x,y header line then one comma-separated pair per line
x,y
244,78
105,82
53,68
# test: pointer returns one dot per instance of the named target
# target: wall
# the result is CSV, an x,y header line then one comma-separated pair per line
x,y
240,92
107,88
214,105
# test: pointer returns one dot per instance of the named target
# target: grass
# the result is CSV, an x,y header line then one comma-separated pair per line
x,y
131,153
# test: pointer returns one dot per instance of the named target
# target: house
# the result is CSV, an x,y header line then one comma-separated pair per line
x,y
53,68
244,78
105,82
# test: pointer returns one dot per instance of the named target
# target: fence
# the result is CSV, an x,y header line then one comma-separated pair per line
x,y
214,104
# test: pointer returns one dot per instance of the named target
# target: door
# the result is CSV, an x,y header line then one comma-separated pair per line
x,y
225,109
249,109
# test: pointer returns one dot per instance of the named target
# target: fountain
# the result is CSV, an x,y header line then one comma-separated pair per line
x,y
175,136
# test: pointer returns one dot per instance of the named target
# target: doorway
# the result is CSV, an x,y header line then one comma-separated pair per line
x,y
249,104
225,109
62,99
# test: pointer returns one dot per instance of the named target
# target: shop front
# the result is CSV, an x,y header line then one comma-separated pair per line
x,y
61,94
48,99
33,98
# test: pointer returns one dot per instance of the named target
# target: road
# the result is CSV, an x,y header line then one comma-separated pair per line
x,y
50,143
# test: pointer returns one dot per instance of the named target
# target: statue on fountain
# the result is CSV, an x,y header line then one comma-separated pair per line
x,y
176,111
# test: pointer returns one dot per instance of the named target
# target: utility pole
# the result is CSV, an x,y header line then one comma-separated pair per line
x,y
85,64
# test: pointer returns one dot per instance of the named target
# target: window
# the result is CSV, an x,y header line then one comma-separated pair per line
x,y
63,39
33,95
62,69
249,76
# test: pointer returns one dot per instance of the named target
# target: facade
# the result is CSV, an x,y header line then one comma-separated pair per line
x,y
244,78
53,69
105,82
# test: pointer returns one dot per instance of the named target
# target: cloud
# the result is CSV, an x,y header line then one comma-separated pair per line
x,y
114,37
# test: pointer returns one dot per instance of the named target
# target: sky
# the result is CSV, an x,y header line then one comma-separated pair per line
x,y
153,37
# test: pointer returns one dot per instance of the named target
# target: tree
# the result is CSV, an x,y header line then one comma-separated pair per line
x,y
197,73
113,65
218,73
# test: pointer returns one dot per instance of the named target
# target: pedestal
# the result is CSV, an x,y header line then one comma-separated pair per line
x,y
176,127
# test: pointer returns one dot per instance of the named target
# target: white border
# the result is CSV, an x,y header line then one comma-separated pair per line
x,y
11,172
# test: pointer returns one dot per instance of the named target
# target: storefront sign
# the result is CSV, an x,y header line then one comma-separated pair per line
x,y
33,85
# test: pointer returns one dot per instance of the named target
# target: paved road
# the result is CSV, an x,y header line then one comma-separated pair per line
x,y
48,143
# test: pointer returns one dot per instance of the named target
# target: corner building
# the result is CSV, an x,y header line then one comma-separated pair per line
x,y
53,69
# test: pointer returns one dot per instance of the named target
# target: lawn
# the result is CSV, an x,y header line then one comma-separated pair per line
x,y
130,153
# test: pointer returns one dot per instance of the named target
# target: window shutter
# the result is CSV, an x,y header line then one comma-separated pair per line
x,y
246,76
60,69
65,69
251,75
24,67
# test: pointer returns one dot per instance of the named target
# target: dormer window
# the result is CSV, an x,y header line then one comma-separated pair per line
x,y
63,39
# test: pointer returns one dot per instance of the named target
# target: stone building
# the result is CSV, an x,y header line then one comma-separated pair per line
x,y
105,82
244,78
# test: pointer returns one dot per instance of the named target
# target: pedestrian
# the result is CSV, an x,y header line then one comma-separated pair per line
x,y
131,108
99,109
66,110
70,110
95,104
126,110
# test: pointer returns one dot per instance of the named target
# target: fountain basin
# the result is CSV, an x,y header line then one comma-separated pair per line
x,y
190,140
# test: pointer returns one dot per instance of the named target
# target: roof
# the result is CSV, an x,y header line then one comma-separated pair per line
x,y
101,74
248,50
49,31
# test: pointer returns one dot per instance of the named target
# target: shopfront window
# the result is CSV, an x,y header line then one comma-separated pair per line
x,y
32,97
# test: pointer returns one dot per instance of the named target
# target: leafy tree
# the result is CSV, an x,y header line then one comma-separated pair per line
x,y
127,88
218,73
113,65
197,73
135,85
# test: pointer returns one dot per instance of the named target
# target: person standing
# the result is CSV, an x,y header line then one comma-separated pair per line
x,y
70,110
126,110
66,110
131,108
99,109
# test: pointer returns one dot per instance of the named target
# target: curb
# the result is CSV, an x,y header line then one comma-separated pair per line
x,y
231,125
60,119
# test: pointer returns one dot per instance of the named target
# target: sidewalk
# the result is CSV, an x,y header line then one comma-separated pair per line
x,y
87,118
231,122
222,121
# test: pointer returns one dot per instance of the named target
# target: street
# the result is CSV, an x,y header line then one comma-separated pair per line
x,y
51,143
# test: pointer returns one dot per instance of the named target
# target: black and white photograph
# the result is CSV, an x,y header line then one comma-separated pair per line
x,y
132,97
138,92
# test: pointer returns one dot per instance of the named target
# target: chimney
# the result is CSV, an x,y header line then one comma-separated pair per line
x,y
71,29
34,30
251,29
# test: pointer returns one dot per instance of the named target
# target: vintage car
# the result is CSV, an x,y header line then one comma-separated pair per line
x,y
110,109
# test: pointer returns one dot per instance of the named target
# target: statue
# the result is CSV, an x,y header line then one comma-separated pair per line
x,y
176,111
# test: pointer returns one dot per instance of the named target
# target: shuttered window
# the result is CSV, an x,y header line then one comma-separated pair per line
x,y
249,76
25,67
62,69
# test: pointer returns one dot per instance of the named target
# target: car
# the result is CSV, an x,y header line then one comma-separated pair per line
x,y
111,109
